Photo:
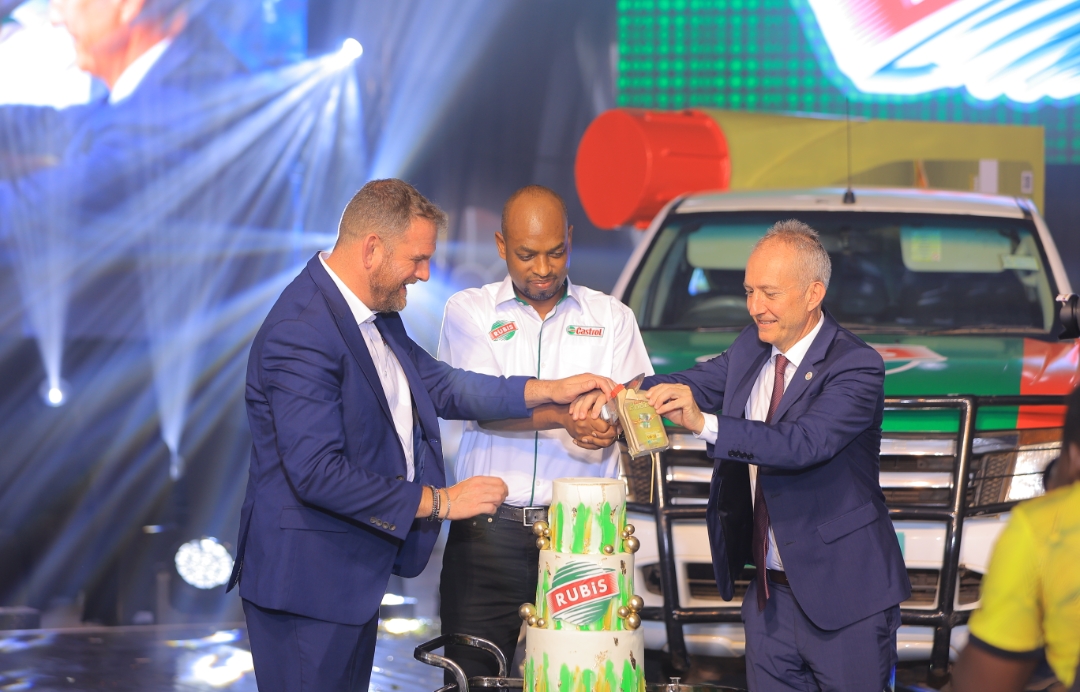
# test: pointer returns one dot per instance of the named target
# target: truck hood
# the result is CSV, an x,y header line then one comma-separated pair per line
x,y
981,365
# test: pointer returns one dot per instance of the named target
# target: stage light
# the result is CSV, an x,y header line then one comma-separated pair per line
x,y
351,49
440,53
222,668
54,393
204,563
219,637
402,625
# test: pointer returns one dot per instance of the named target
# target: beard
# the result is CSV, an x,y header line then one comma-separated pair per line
x,y
540,296
387,291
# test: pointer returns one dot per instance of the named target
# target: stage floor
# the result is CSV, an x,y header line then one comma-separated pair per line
x,y
173,658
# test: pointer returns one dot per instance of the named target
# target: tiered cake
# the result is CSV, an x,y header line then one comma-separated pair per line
x,y
583,630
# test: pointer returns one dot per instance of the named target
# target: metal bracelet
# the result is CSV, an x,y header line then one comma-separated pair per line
x,y
434,503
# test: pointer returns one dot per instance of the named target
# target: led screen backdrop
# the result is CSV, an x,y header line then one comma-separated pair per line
x,y
989,61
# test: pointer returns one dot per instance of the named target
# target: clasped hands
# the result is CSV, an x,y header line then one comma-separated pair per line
x,y
674,402
586,395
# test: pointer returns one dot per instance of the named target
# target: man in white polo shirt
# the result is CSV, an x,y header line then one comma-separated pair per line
x,y
534,322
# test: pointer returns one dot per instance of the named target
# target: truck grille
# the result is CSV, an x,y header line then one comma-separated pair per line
x,y
916,469
970,587
916,472
924,588
702,584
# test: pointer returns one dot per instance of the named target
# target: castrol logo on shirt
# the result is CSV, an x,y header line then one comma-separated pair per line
x,y
574,330
503,331
581,593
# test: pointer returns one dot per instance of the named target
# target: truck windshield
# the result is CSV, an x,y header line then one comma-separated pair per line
x,y
891,272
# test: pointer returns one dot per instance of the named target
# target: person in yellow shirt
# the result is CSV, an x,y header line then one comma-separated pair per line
x,y
1031,592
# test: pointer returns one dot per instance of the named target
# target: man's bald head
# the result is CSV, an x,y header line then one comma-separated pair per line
x,y
532,201
535,242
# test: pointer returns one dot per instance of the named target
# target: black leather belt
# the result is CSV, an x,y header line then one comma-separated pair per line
x,y
522,515
777,577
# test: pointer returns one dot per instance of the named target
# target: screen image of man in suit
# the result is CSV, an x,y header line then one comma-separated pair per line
x,y
346,479
71,168
795,488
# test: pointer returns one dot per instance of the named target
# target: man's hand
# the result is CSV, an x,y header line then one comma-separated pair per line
x,y
676,403
588,405
476,495
590,433
564,391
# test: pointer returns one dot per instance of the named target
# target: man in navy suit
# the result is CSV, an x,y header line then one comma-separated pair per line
x,y
346,479
795,484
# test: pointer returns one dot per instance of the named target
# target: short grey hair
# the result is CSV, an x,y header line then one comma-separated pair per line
x,y
386,208
814,262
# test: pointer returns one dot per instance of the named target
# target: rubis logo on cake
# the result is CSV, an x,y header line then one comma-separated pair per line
x,y
503,330
574,330
581,593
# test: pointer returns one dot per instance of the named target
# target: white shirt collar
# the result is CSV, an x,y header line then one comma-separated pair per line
x,y
506,292
796,353
361,312
134,73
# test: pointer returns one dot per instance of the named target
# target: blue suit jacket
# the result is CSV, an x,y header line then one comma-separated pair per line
x,y
328,514
818,466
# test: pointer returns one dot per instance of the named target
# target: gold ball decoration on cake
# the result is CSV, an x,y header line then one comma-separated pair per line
x,y
631,544
526,611
583,628
636,603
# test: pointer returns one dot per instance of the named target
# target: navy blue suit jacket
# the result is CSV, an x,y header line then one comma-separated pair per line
x,y
328,515
819,469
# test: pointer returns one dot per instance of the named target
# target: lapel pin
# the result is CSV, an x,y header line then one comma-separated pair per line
x,y
809,375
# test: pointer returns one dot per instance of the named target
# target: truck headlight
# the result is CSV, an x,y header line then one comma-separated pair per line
x,y
1015,472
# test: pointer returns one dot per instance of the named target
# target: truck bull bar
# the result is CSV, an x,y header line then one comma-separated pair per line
x,y
943,619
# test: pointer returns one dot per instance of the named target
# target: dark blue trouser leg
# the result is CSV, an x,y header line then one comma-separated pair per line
x,y
293,653
786,651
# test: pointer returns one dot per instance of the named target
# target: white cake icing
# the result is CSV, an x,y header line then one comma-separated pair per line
x,y
585,635
587,515
567,661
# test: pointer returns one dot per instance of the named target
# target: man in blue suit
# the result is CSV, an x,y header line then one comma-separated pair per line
x,y
795,488
346,479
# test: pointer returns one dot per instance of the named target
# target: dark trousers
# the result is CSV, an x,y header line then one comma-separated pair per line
x,y
489,570
293,653
785,651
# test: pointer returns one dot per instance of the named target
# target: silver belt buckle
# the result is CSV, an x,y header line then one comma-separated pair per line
x,y
531,515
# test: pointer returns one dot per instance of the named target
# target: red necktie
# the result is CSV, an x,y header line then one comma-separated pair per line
x,y
761,512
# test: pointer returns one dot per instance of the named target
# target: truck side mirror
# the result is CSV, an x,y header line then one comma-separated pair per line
x,y
1069,315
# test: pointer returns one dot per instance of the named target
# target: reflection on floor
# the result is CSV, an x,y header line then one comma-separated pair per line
x,y
173,658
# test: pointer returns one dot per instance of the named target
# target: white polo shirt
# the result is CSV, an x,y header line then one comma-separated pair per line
x,y
491,331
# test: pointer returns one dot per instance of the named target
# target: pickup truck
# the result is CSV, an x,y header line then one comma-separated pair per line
x,y
956,291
